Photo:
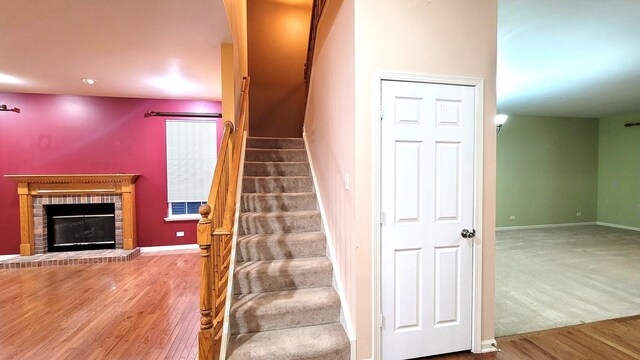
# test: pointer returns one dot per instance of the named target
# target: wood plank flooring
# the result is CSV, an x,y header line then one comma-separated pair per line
x,y
146,308
617,339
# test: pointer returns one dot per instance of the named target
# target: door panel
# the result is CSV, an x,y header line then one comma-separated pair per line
x,y
427,148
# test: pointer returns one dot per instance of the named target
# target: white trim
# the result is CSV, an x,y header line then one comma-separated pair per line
x,y
7,257
543,226
152,249
478,84
490,346
352,343
188,217
624,227
226,332
345,313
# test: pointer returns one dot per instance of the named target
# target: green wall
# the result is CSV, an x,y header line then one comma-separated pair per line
x,y
547,171
619,171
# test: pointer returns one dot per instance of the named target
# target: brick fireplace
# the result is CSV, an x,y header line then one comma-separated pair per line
x,y
37,191
40,203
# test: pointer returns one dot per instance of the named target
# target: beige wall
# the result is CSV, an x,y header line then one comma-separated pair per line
x,y
278,33
330,132
237,15
443,37
228,82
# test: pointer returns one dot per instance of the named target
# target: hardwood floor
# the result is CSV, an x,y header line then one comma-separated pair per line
x,y
146,308
617,339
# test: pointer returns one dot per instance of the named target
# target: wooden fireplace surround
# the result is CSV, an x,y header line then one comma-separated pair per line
x,y
75,184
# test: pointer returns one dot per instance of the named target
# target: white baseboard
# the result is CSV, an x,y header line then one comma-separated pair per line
x,y
618,226
489,346
7,257
544,226
353,349
345,314
150,249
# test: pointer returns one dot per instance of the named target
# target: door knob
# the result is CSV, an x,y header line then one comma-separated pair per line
x,y
468,234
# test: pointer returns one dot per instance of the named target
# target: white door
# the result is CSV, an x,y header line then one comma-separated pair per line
x,y
427,201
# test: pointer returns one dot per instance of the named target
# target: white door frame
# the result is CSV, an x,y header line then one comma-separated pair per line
x,y
478,85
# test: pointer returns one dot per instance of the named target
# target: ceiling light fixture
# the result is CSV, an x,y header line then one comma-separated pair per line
x,y
9,79
175,83
88,81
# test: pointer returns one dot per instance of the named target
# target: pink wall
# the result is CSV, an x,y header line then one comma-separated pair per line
x,y
61,134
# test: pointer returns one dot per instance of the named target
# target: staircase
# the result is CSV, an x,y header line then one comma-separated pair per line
x,y
284,306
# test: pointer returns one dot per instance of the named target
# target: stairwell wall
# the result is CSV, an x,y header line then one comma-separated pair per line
x,y
237,63
330,132
356,40
278,32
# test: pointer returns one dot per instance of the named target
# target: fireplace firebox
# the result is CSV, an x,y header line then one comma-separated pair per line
x,y
73,227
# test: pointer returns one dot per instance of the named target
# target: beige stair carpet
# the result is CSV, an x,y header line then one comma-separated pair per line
x,y
284,306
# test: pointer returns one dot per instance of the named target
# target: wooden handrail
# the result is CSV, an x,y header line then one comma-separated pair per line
x,y
215,233
316,13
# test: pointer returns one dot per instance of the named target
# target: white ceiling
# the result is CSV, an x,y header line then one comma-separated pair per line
x,y
568,58
132,48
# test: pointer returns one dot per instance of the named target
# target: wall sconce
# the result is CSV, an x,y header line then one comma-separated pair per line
x,y
500,120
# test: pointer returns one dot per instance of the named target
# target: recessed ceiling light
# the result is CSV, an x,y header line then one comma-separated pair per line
x,y
88,81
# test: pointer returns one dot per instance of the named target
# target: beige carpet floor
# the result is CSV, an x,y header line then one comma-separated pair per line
x,y
547,278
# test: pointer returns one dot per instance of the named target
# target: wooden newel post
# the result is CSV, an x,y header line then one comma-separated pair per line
x,y
205,335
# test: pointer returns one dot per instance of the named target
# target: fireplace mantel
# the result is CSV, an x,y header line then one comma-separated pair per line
x,y
75,184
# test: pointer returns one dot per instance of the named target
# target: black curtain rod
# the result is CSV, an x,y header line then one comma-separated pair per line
x,y
5,108
182,114
632,124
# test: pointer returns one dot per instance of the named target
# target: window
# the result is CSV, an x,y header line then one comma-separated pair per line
x,y
191,161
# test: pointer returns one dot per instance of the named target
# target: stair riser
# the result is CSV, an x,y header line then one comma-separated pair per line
x,y
248,321
274,225
250,283
266,143
277,185
276,169
275,249
276,155
284,202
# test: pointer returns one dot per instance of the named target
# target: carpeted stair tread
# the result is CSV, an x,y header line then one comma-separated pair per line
x,y
262,202
275,143
284,309
284,305
279,222
320,342
277,184
259,247
286,274
276,155
271,168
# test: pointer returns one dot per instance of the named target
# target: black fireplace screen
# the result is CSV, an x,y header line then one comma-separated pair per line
x,y
73,227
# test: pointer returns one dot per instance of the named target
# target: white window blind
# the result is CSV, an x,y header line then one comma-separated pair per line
x,y
191,159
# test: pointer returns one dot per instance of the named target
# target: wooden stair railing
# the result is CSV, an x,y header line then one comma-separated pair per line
x,y
316,13
215,234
